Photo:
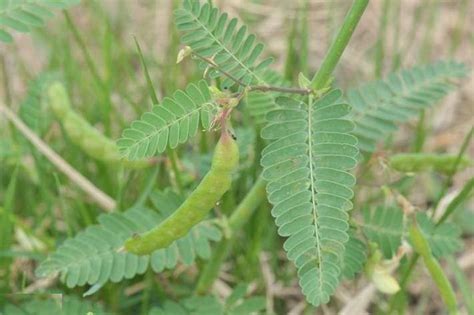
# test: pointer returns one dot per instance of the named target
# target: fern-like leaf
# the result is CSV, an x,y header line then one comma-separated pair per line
x,y
212,35
236,304
384,226
355,256
379,106
306,166
444,239
67,305
172,122
23,15
92,256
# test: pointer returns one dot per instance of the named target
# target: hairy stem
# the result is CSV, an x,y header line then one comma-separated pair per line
x,y
332,57
262,88
240,216
282,89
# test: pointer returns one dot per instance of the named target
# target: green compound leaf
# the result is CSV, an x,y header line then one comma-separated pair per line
x,y
355,256
170,123
93,256
24,15
384,226
306,166
57,304
444,239
211,34
378,107
236,304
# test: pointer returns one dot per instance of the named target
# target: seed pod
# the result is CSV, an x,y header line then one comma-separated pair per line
x,y
196,207
82,134
419,162
58,100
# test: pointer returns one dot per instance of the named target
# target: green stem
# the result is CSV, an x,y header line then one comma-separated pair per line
x,y
154,99
150,184
422,247
213,266
420,135
406,276
174,165
304,45
240,216
104,89
396,36
448,181
449,211
151,89
463,194
457,36
380,45
85,52
6,82
460,197
463,283
246,208
291,55
261,88
427,43
331,59
282,89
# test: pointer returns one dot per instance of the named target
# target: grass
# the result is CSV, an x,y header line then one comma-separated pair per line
x,y
117,59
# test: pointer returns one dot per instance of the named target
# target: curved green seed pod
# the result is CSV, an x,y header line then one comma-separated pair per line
x,y
196,207
419,162
58,100
81,133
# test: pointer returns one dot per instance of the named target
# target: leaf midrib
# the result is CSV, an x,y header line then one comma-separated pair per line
x,y
166,126
313,194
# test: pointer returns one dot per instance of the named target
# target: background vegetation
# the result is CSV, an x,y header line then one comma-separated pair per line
x,y
92,49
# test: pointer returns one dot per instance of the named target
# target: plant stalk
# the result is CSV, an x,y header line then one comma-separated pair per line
x,y
103,87
331,59
238,218
422,248
262,88
449,210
